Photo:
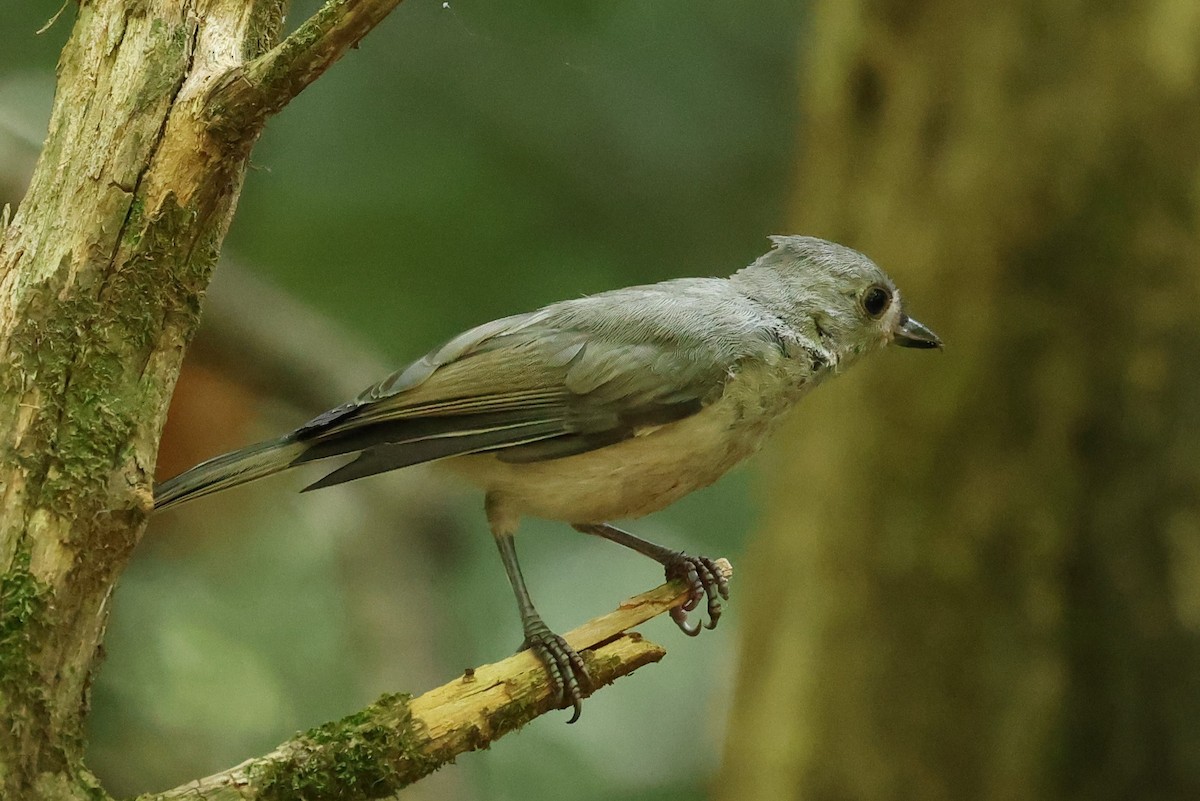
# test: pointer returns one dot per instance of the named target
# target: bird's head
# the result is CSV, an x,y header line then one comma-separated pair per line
x,y
835,296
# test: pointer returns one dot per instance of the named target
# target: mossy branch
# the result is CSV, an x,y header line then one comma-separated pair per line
x,y
254,91
400,739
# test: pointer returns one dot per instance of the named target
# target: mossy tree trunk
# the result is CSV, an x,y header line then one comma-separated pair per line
x,y
102,270
979,575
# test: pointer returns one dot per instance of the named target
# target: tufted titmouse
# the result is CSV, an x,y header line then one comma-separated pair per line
x,y
604,407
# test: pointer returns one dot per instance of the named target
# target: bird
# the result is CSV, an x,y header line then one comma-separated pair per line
x,y
604,407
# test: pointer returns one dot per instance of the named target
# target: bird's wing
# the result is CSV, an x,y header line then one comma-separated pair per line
x,y
567,379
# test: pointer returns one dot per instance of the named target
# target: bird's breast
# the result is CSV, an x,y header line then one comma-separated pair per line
x,y
646,472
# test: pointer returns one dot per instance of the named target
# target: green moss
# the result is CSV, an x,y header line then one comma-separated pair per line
x,y
266,18
511,716
371,754
22,600
476,741
132,228
164,74
22,619
81,423
75,786
597,666
86,343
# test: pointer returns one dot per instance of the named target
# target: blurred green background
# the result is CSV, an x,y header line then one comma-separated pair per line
x,y
967,577
463,164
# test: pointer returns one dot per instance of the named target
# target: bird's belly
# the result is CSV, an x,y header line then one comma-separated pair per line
x,y
629,479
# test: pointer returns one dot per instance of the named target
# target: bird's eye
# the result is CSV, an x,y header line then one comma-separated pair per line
x,y
875,300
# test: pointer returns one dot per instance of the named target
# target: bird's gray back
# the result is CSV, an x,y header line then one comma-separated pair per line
x,y
681,331
574,376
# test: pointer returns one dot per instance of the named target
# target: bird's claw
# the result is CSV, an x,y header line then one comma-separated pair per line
x,y
704,580
680,616
564,666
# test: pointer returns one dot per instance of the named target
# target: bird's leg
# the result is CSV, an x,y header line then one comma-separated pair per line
x,y
563,664
699,572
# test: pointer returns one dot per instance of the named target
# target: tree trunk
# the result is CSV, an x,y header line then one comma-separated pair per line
x,y
101,274
978,575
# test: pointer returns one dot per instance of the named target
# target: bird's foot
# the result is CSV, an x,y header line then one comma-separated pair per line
x,y
565,667
704,580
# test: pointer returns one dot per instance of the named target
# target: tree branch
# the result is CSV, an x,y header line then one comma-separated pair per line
x,y
254,91
399,739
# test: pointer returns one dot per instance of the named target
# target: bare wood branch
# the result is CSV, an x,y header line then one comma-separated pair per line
x,y
398,739
253,92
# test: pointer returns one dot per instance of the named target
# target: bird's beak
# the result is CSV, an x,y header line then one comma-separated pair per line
x,y
908,333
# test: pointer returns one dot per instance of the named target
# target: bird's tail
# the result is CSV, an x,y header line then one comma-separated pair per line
x,y
228,470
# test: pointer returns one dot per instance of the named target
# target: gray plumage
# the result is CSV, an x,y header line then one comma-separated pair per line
x,y
228,470
583,376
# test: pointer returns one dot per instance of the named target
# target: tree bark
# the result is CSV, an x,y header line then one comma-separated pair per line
x,y
990,559
102,270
